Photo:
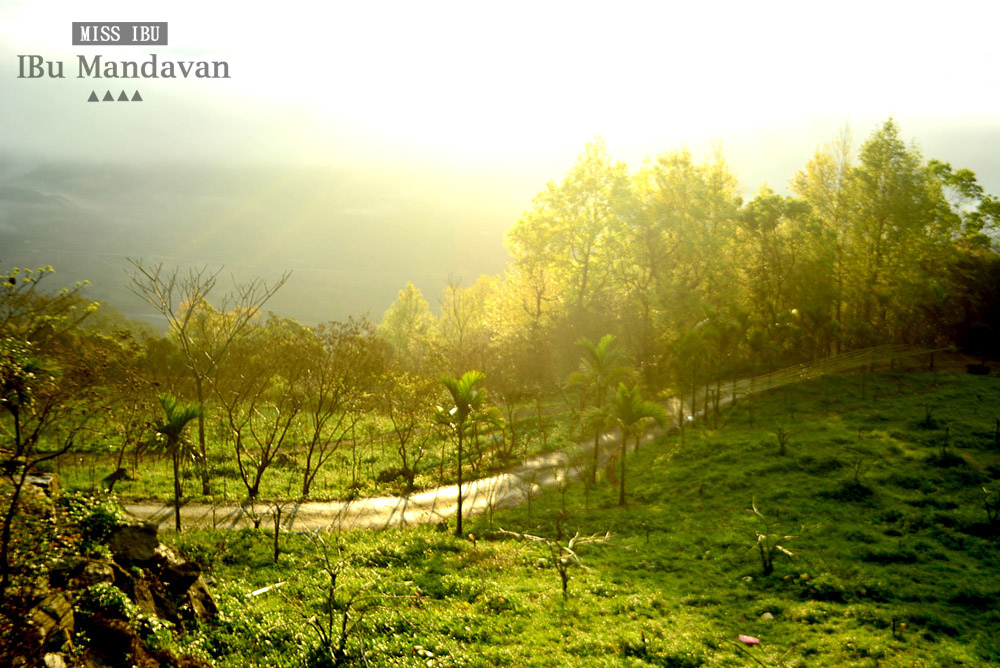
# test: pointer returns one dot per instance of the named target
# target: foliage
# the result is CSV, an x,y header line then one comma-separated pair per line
x,y
678,583
169,435
106,600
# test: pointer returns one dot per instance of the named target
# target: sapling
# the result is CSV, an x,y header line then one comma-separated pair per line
x,y
784,436
563,557
342,600
928,422
767,542
992,506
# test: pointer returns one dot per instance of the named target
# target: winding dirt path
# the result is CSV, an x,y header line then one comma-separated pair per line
x,y
505,489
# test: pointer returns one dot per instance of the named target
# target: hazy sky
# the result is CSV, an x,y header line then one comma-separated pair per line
x,y
514,86
429,126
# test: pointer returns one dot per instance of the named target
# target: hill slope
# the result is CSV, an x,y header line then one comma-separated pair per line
x,y
879,496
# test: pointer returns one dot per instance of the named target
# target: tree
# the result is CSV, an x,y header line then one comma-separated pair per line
x,y
628,411
345,362
50,375
169,434
462,329
262,392
407,326
569,227
562,557
467,399
601,366
893,212
404,400
826,184
183,301
686,214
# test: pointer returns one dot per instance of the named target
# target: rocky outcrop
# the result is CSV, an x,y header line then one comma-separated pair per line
x,y
52,621
169,586
154,576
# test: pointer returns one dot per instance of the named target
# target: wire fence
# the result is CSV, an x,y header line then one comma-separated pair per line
x,y
735,390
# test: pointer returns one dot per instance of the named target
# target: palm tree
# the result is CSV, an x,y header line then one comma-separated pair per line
x,y
467,399
601,367
628,411
169,436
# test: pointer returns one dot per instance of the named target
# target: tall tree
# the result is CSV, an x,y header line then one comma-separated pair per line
x,y
601,367
826,184
466,400
169,432
407,327
182,299
628,411
893,212
562,244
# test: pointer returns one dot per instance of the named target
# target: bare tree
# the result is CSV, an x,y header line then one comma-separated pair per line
x,y
335,607
262,394
344,357
182,299
563,557
406,400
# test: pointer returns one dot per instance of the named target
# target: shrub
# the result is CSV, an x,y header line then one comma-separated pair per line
x,y
106,600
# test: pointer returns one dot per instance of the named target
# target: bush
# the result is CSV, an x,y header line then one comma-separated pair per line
x,y
97,515
106,600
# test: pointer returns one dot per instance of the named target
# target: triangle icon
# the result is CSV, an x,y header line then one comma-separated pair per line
x,y
108,97
93,97
137,97
123,97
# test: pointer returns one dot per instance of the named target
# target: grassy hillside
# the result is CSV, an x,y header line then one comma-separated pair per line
x,y
894,559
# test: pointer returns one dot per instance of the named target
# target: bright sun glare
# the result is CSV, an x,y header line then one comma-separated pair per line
x,y
486,81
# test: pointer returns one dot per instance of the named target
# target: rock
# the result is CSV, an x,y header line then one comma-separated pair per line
x,y
180,577
54,661
202,604
81,572
134,542
47,482
95,572
165,554
164,606
767,616
142,596
53,621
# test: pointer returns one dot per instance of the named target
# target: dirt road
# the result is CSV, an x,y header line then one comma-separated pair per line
x,y
434,505
479,496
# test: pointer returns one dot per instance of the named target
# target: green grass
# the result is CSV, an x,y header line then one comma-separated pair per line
x,y
889,531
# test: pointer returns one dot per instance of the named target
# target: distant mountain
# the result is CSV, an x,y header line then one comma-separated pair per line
x,y
351,238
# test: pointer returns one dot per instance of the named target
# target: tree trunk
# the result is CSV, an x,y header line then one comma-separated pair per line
x,y
8,521
621,484
597,456
206,488
458,528
277,529
176,456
